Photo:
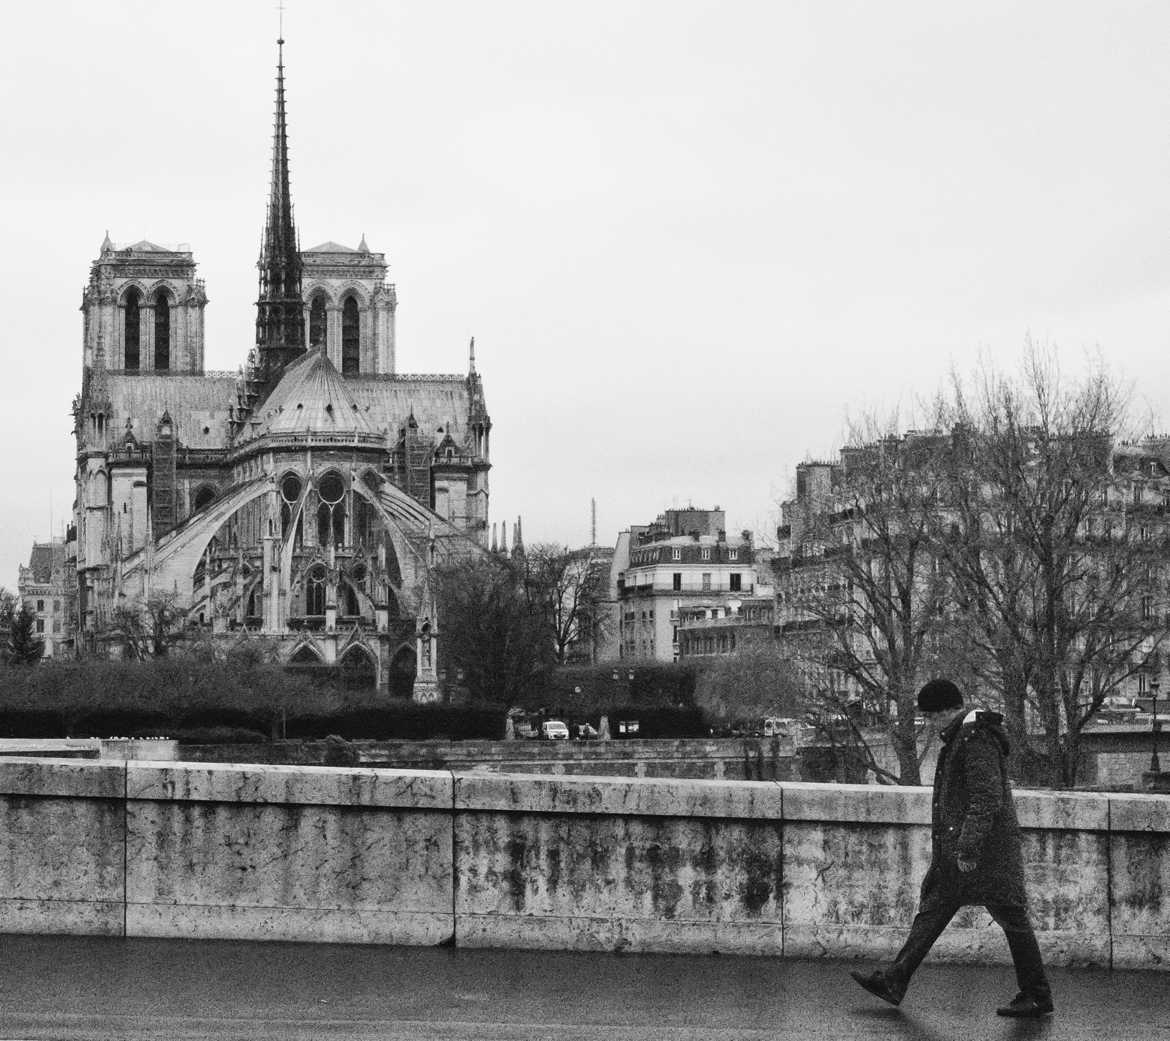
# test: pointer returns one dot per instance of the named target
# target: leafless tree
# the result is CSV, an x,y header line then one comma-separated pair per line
x,y
874,595
493,633
570,587
148,629
1057,577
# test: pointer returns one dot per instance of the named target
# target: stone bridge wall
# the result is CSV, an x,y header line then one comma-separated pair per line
x,y
600,863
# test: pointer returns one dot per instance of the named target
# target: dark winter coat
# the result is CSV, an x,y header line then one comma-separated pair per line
x,y
974,818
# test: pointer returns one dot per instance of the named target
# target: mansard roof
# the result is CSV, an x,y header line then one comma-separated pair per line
x,y
312,397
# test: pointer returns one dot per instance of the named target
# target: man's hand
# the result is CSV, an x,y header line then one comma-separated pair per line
x,y
965,865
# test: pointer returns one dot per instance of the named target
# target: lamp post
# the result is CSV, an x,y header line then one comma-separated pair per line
x,y
1155,766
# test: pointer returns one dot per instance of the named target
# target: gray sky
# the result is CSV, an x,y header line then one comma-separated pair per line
x,y
690,238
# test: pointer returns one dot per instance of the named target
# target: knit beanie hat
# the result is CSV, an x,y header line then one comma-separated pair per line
x,y
938,696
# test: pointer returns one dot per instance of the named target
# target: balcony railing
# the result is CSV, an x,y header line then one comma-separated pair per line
x,y
688,590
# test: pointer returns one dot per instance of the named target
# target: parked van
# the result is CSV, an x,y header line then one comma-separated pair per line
x,y
554,730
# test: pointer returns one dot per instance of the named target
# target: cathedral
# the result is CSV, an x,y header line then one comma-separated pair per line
x,y
307,497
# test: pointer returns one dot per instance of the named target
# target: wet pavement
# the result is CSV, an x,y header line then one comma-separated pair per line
x,y
83,988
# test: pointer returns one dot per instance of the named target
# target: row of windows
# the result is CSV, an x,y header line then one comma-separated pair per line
x,y
132,345
651,556
734,581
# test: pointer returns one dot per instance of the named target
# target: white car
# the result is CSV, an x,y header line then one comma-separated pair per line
x,y
554,730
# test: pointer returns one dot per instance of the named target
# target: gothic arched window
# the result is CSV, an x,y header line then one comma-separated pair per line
x,y
162,332
131,337
317,321
315,591
350,347
290,493
331,512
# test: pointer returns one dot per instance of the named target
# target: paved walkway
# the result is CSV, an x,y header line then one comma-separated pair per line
x,y
68,987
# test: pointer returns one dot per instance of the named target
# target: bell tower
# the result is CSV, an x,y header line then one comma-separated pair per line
x,y
144,303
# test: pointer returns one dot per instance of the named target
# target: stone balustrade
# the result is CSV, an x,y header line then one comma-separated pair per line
x,y
475,858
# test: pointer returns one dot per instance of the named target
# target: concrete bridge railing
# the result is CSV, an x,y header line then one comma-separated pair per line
x,y
506,860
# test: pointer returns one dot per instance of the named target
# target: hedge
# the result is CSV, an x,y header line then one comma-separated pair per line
x,y
202,702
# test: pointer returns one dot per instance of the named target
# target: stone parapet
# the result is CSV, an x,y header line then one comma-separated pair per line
x,y
585,862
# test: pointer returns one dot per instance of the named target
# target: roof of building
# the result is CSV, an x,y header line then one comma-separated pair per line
x,y
45,557
144,246
198,404
435,402
313,396
332,247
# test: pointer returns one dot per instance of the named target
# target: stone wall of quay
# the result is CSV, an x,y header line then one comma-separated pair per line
x,y
480,858
699,758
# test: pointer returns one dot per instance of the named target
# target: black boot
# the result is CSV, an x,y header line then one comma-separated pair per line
x,y
880,985
1027,1006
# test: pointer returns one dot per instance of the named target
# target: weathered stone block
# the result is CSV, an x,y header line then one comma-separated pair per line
x,y
289,785
1067,876
289,853
635,796
859,803
609,882
1070,811
850,889
62,833
68,778
1139,813
1139,853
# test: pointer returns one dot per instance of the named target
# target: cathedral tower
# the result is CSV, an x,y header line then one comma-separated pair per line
x,y
145,306
280,326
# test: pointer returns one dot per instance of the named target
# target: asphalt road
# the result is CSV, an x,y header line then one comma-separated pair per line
x,y
81,988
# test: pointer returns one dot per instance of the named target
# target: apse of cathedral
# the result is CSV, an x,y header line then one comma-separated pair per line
x,y
307,497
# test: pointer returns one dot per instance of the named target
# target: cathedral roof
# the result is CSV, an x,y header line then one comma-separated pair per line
x,y
148,247
435,401
334,247
312,397
198,404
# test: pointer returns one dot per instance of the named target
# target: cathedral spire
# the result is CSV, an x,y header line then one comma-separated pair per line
x,y
280,324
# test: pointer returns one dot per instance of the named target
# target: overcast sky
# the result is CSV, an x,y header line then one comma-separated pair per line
x,y
690,238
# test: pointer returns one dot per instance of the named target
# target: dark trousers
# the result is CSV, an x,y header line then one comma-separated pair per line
x,y
930,923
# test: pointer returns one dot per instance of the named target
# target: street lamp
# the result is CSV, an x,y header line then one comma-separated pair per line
x,y
1155,766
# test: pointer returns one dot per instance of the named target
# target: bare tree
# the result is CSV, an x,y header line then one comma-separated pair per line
x,y
570,588
1057,577
492,631
148,629
873,595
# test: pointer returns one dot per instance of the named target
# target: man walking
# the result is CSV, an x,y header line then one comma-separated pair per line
x,y
976,859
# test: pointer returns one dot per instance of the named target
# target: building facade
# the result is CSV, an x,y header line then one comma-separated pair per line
x,y
306,497
683,559
711,628
46,590
1123,528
